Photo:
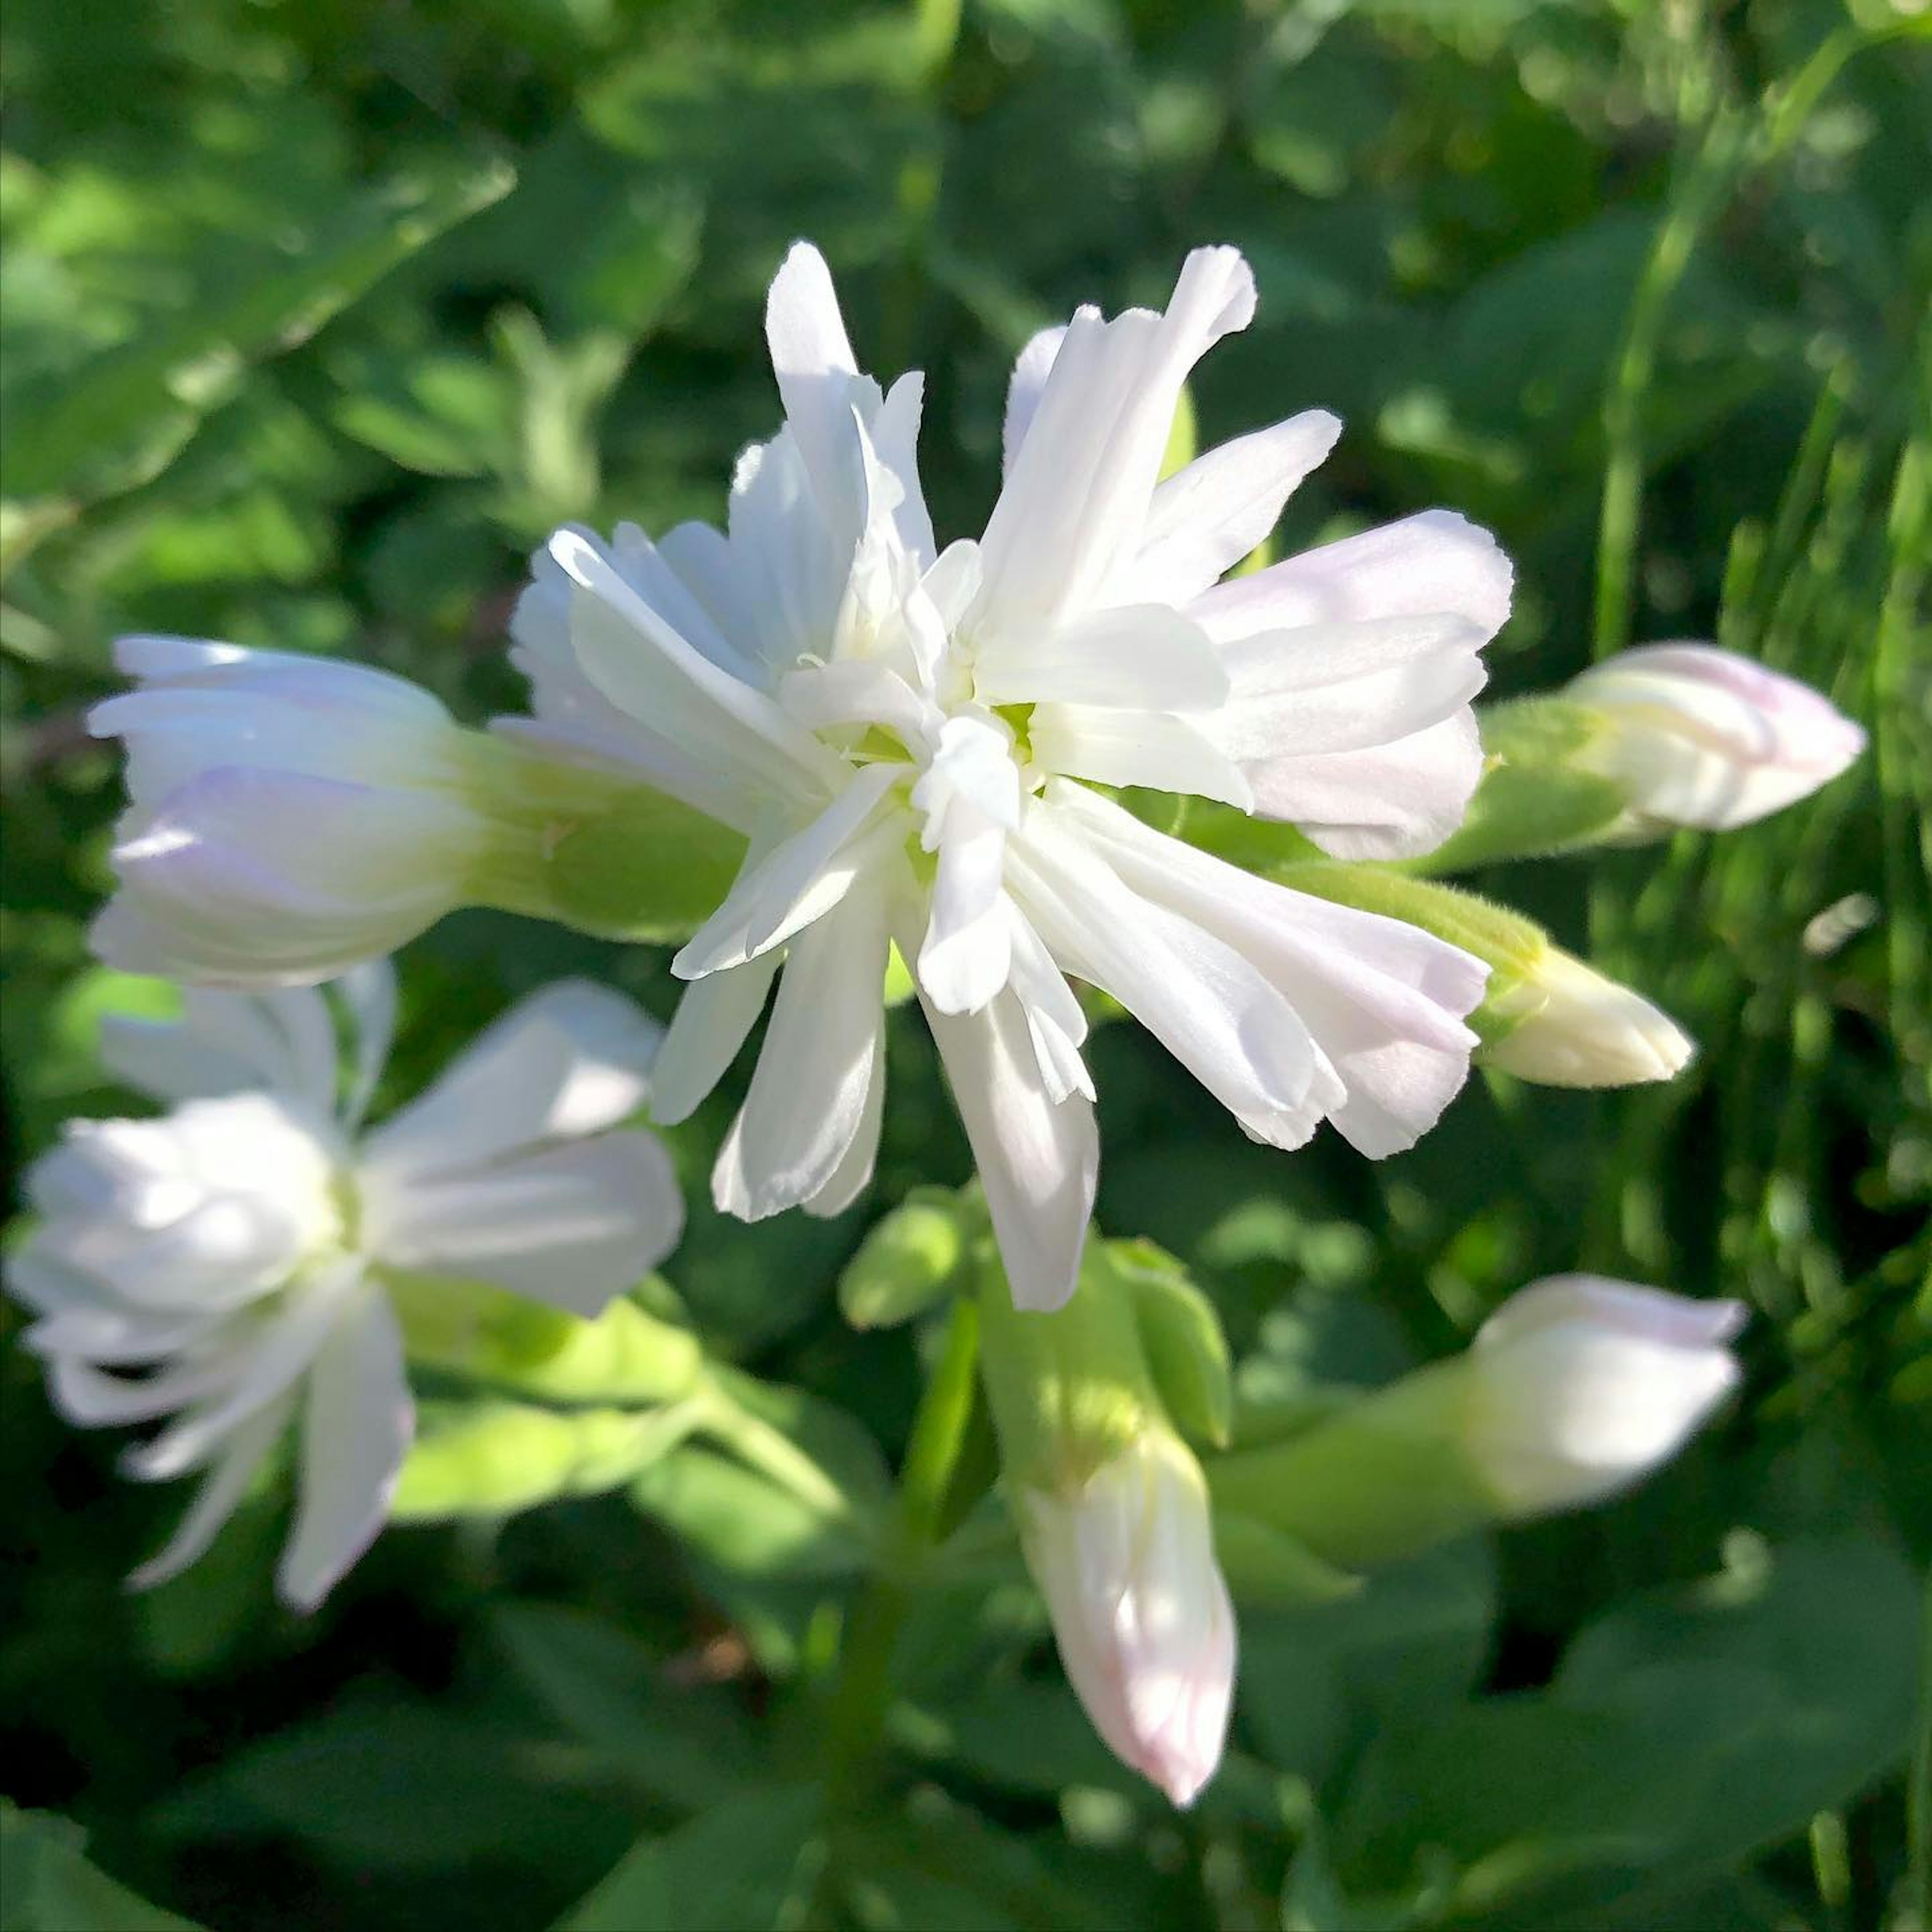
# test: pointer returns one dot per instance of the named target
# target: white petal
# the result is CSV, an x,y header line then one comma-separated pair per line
x,y
1204,519
1141,656
570,1060
856,690
1039,1160
713,1020
1076,499
1384,802
369,993
571,1226
808,1100
812,358
1340,687
1055,1024
1136,747
968,949
1028,383
853,1173
779,892
216,1500
1209,1005
357,1423
1434,564
277,1358
88,1398
643,667
1383,1001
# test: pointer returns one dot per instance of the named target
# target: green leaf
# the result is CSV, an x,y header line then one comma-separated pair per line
x,y
1685,1730
382,1779
745,1865
119,424
690,1748
47,1886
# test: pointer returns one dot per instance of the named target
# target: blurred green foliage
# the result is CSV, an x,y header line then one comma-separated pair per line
x,y
316,316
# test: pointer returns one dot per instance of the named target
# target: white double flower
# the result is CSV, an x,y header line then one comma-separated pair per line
x,y
224,1267
912,740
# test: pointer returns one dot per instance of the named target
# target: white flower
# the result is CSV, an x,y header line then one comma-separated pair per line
x,y
1700,736
1141,1614
1582,1386
903,733
236,1248
1586,1030
289,815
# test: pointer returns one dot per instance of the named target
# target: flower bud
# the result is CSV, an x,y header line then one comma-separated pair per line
x,y
1141,1616
911,1259
1574,1390
1583,1386
1569,1026
290,816
1545,1016
1703,737
1114,1518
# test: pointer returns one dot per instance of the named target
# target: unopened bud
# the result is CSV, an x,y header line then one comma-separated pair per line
x,y
907,1263
1141,1616
1700,736
1113,1513
1583,1386
1567,1025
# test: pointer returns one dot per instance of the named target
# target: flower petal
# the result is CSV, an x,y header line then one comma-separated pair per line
x,y
808,1100
713,1020
357,1421
799,880
569,1060
1039,1159
1139,656
216,1500
1389,801
1076,498
1205,518
1137,747
1434,563
572,1226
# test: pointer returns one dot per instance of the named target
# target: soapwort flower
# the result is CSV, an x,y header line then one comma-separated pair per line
x,y
914,741
236,1251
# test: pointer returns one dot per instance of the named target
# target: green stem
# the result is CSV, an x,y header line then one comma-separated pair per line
x,y
769,1450
863,1695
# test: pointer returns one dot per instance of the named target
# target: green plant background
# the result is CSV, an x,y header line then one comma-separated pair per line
x,y
317,316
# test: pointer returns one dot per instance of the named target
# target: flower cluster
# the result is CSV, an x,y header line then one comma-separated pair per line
x,y
866,748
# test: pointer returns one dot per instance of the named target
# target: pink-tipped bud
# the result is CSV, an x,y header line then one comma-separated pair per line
x,y
1699,736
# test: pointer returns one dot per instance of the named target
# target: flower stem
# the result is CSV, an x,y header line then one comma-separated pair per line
x,y
863,1693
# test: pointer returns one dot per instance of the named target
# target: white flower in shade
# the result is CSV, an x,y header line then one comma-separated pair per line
x,y
910,737
1141,1614
223,1265
1700,736
1581,1387
289,815
1586,1030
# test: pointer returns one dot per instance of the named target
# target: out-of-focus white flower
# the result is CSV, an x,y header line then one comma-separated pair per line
x,y
1700,736
289,815
1581,1386
1586,1030
236,1248
1141,1614
909,737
